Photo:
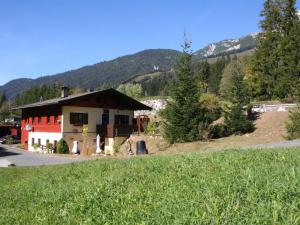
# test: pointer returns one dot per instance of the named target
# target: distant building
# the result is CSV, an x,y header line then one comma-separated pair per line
x,y
108,113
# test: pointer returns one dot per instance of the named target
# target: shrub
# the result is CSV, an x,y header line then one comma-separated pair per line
x,y
62,147
9,140
237,122
293,124
151,128
212,107
49,147
218,131
35,146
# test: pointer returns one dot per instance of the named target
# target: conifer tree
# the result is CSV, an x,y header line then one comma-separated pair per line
x,y
265,60
183,115
235,119
289,50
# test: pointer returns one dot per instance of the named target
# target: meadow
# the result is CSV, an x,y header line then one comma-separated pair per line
x,y
229,187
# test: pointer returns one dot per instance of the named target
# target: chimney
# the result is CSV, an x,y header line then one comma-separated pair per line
x,y
90,89
64,92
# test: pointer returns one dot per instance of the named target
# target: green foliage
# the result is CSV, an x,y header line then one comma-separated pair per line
x,y
216,71
218,131
112,72
151,128
235,119
232,187
211,107
4,110
36,146
275,65
183,116
49,147
38,93
62,147
202,74
234,68
10,140
133,90
293,124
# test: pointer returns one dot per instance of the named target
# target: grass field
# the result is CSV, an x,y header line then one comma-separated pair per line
x,y
231,187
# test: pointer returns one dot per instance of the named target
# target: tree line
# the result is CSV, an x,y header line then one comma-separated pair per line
x,y
272,72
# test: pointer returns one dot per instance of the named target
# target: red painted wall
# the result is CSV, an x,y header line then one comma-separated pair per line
x,y
31,116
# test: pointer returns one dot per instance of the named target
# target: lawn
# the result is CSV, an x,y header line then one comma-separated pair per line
x,y
230,187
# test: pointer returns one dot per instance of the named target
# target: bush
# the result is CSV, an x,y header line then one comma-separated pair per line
x,y
212,107
49,147
293,124
35,146
237,122
62,147
218,131
9,141
151,128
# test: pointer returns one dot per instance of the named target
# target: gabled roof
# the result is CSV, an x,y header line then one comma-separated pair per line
x,y
134,104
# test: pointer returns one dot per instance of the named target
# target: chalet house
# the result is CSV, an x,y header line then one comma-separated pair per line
x,y
108,113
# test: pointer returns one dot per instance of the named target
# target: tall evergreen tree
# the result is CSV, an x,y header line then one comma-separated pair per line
x,y
265,60
235,119
183,116
289,50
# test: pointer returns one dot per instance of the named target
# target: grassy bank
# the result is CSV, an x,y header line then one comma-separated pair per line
x,y
232,187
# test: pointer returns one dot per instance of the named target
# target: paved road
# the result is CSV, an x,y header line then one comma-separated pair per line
x,y
23,158
281,144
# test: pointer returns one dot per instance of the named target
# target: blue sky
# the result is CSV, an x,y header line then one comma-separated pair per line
x,y
44,37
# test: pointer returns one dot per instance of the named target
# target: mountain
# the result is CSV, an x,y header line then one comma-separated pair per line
x,y
114,72
128,67
227,46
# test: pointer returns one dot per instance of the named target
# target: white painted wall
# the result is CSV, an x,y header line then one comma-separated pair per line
x,y
43,136
94,117
73,133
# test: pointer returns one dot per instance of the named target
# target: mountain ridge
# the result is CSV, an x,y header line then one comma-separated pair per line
x,y
124,68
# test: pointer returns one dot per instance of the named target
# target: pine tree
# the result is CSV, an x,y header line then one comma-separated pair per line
x,y
265,60
235,119
183,114
289,50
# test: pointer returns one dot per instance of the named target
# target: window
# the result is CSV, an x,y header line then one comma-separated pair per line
x,y
121,119
48,119
47,141
78,119
32,141
39,142
56,119
39,120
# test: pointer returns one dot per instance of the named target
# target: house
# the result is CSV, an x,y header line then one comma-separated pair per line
x,y
108,113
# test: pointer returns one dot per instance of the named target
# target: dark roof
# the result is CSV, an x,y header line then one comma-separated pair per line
x,y
136,105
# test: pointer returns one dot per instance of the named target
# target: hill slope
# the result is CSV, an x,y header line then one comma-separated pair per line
x,y
114,71
227,46
127,67
233,187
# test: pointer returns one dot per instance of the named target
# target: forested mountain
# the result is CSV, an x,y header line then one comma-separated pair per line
x,y
125,68
113,72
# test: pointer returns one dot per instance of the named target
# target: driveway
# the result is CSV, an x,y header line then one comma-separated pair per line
x,y
11,155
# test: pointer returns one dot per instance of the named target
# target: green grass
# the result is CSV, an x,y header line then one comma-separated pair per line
x,y
231,187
